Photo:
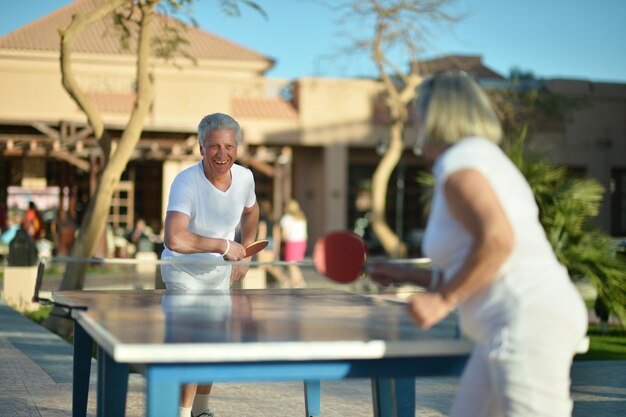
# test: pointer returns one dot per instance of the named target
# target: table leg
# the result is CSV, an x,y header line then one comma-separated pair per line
x,y
393,397
162,393
100,384
312,397
112,386
405,397
82,370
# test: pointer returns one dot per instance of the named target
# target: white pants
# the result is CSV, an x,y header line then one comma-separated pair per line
x,y
193,277
521,367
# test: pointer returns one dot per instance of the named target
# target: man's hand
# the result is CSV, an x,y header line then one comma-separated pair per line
x,y
239,270
236,252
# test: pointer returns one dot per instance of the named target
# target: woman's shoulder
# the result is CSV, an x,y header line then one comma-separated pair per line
x,y
473,152
475,146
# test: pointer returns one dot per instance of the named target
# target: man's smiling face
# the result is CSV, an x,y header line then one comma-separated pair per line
x,y
219,153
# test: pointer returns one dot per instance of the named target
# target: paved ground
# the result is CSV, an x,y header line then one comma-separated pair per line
x,y
35,381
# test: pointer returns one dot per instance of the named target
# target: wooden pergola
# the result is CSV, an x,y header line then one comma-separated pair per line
x,y
74,143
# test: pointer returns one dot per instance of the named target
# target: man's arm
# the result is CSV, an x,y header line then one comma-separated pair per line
x,y
249,224
181,240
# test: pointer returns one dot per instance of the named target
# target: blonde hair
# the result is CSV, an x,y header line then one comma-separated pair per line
x,y
294,209
451,107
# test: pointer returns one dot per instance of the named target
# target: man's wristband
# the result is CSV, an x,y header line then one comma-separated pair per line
x,y
227,247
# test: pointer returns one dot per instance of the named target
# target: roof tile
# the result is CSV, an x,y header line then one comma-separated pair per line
x,y
471,64
263,108
101,37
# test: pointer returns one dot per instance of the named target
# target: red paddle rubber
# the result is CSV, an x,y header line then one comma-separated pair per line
x,y
255,247
340,256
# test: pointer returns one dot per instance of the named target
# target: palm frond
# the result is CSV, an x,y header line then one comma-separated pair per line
x,y
566,204
427,182
594,257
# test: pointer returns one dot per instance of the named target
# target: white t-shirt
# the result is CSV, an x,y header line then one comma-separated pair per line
x,y
295,230
532,266
212,212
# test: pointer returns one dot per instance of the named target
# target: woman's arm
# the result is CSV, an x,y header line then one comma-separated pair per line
x,y
473,202
387,274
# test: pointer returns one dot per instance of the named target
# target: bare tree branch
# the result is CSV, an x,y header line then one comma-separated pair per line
x,y
68,37
396,25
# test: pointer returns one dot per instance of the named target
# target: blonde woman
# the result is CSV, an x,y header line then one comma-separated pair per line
x,y
294,235
516,301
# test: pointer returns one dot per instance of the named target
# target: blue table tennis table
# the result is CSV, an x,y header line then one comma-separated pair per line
x,y
308,335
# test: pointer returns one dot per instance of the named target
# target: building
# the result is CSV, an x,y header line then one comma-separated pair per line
x,y
593,141
312,138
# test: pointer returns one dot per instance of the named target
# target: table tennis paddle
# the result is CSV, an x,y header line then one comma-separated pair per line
x,y
340,256
255,247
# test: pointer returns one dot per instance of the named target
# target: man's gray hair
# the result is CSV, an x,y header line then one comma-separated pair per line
x,y
217,121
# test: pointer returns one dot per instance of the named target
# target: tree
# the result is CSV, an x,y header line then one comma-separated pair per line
x,y
135,21
403,26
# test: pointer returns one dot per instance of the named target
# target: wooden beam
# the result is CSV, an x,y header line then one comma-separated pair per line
x,y
260,166
81,134
71,159
46,130
16,137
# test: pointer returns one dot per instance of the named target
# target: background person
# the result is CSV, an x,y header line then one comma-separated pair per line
x,y
31,221
269,230
45,247
63,231
207,201
516,301
141,237
8,234
10,229
294,235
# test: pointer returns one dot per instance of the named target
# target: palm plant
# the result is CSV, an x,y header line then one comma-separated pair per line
x,y
566,203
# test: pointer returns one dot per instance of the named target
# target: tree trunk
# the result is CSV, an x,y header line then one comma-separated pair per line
x,y
94,221
391,243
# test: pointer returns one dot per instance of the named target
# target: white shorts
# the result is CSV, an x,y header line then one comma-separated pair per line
x,y
520,366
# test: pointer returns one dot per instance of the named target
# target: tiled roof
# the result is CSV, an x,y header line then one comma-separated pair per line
x,y
471,64
263,108
101,37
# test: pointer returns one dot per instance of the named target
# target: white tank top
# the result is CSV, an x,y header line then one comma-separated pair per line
x,y
532,263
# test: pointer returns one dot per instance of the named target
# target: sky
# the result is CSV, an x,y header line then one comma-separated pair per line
x,y
576,39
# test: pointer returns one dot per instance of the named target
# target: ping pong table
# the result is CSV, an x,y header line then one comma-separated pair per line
x,y
306,335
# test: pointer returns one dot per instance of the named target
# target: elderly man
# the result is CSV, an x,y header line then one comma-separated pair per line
x,y
207,201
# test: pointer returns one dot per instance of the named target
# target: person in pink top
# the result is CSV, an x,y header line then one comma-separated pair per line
x,y
294,233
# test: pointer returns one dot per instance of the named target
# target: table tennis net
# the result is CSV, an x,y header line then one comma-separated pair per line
x,y
134,274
